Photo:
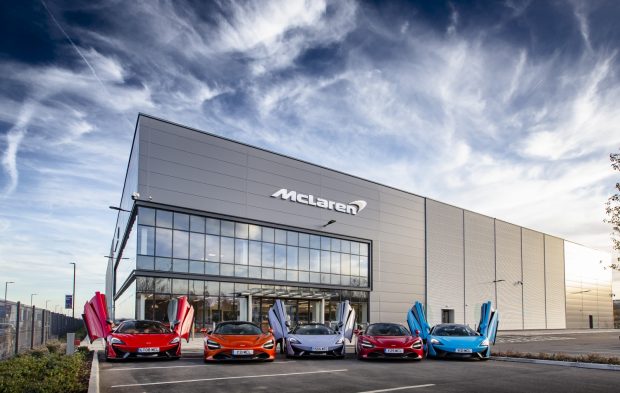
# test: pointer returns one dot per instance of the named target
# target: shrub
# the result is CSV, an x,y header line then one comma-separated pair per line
x,y
54,346
48,373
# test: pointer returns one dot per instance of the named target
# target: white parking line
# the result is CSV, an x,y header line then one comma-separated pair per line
x,y
400,388
224,378
156,367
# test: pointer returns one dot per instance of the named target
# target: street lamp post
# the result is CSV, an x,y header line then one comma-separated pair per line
x,y
6,286
31,296
73,296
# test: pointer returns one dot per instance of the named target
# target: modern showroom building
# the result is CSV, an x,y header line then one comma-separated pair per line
x,y
234,227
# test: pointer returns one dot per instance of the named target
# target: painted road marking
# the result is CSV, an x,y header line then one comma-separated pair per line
x,y
156,367
225,378
400,388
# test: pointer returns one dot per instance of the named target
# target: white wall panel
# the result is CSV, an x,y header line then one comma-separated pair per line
x,y
509,290
555,288
533,280
588,287
445,270
479,265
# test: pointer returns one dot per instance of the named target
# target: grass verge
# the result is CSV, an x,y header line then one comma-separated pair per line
x,y
46,370
563,357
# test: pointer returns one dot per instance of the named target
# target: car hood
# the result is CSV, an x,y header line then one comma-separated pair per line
x,y
391,340
145,339
465,341
243,340
324,340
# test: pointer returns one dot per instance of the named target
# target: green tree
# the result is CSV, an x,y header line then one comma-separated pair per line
x,y
612,208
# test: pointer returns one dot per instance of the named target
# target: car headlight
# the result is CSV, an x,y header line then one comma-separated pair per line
x,y
175,340
117,341
417,344
436,342
485,343
366,344
340,341
213,344
269,344
293,340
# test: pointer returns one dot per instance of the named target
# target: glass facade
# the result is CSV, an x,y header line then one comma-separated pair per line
x,y
215,301
182,243
167,241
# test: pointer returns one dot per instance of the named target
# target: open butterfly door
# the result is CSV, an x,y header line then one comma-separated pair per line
x,y
416,319
489,322
181,316
277,320
345,315
96,317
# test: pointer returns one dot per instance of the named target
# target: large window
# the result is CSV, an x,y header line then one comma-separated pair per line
x,y
185,243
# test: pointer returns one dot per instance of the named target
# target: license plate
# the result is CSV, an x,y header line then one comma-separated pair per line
x,y
394,350
463,350
148,350
243,352
319,349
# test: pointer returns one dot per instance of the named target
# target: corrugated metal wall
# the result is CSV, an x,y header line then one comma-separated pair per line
x,y
533,280
508,265
588,287
445,267
479,265
554,283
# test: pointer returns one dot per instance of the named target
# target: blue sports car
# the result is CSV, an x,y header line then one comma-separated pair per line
x,y
313,339
456,340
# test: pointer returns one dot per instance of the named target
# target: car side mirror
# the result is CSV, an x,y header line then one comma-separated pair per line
x,y
357,332
209,331
287,324
417,332
203,330
109,322
340,325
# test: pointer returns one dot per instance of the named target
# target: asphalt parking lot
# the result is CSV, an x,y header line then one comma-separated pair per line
x,y
350,375
584,342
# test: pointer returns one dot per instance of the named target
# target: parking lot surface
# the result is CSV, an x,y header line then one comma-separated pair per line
x,y
350,375
584,342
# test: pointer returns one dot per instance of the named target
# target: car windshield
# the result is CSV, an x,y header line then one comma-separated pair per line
x,y
238,328
313,330
387,329
453,330
142,327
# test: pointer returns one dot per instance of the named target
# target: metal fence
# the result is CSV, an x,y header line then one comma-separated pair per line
x,y
25,327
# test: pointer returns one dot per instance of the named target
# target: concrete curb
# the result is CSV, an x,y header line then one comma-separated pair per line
x,y
595,366
93,381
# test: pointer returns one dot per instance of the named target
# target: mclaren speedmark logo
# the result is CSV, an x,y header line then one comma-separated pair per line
x,y
308,199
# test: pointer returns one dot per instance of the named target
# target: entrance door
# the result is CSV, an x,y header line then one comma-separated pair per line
x,y
447,316
292,311
303,307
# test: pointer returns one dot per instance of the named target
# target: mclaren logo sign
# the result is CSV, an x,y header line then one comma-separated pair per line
x,y
306,199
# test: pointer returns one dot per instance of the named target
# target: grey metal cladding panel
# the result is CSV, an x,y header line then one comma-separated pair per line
x,y
445,261
192,187
203,176
196,202
284,170
479,265
200,161
534,314
201,144
192,135
555,283
509,292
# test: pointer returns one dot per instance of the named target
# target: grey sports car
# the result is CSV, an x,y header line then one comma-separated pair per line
x,y
313,339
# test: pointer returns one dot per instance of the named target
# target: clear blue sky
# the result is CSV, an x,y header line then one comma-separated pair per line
x,y
505,108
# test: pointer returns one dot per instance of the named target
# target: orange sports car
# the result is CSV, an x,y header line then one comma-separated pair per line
x,y
238,340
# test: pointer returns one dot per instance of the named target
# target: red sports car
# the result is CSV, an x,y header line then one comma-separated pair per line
x,y
139,338
388,340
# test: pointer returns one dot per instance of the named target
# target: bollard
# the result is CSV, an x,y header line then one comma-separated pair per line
x,y
70,343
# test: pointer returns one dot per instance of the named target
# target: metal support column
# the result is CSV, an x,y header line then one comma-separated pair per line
x,y
32,328
250,308
17,318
